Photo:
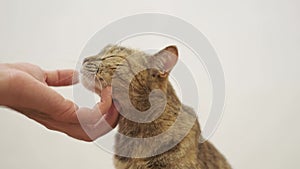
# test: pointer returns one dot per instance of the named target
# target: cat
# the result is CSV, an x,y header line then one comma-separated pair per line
x,y
140,73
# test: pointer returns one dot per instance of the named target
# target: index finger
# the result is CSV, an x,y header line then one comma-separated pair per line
x,y
61,77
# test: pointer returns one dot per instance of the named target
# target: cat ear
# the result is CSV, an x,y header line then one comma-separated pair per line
x,y
166,59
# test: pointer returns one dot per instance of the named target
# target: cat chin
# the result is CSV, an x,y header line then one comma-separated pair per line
x,y
90,84
93,89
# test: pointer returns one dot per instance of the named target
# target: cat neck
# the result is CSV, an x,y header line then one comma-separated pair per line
x,y
140,99
160,124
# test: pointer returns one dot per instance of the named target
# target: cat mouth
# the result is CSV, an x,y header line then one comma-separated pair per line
x,y
91,84
89,80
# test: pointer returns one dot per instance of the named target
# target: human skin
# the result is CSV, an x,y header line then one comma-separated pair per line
x,y
25,88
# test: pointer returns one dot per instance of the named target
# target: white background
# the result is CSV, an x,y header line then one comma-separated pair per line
x,y
257,42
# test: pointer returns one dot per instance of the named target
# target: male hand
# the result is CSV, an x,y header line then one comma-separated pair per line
x,y
25,88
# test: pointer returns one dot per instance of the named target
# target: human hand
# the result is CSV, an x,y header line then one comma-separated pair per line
x,y
25,88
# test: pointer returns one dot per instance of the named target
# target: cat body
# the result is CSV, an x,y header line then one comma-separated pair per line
x,y
172,138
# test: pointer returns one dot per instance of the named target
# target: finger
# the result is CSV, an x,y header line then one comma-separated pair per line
x,y
61,77
88,116
87,128
72,129
91,116
96,131
93,125
31,113
112,117
30,93
67,112
106,100
104,125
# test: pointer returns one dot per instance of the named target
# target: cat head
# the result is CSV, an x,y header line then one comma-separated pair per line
x,y
143,72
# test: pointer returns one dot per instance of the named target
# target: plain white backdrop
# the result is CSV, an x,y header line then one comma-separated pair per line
x,y
257,43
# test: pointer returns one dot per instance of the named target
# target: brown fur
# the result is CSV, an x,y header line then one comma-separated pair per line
x,y
188,153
